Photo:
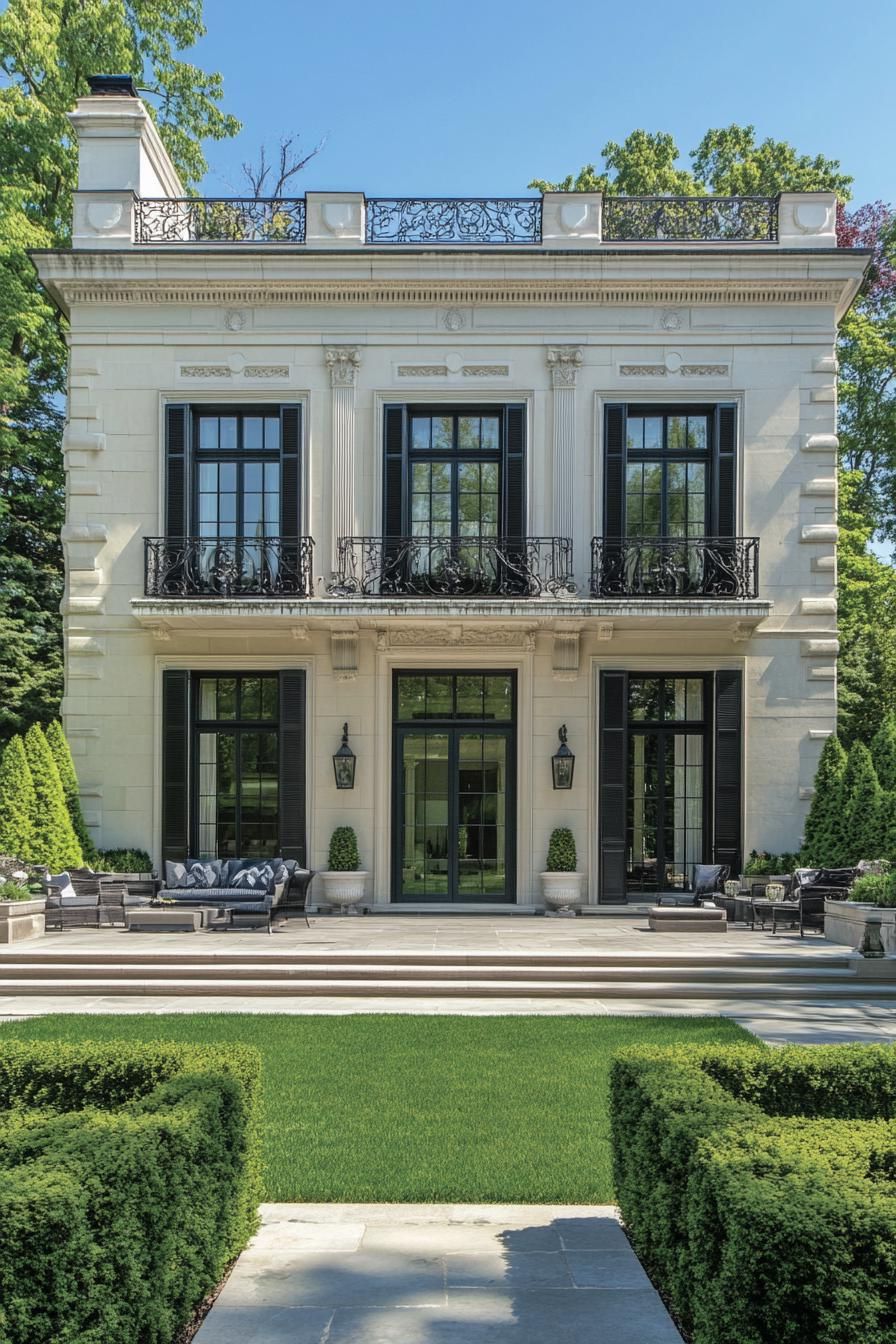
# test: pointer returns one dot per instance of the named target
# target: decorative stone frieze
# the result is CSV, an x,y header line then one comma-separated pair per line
x,y
456,636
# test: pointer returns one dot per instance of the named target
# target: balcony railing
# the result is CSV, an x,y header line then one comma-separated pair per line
x,y
690,219
390,220
223,219
453,567
673,567
229,566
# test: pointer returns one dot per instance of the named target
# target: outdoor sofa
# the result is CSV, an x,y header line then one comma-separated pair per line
x,y
254,890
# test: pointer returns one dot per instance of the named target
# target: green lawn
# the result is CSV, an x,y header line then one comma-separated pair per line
x,y
422,1109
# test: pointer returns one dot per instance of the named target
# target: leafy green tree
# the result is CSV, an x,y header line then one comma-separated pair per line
x,y
824,824
17,803
861,799
866,619
727,162
62,755
47,50
54,839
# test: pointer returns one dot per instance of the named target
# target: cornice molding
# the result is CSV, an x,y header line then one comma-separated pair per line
x,y
338,293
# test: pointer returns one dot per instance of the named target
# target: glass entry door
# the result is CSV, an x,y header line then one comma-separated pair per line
x,y
667,812
454,790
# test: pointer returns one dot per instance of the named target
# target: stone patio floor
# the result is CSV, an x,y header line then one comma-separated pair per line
x,y
438,1274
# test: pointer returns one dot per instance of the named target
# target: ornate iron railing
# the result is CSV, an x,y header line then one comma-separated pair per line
x,y
690,219
489,221
220,220
228,566
673,567
453,567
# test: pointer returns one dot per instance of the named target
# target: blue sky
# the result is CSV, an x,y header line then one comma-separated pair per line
x,y
474,98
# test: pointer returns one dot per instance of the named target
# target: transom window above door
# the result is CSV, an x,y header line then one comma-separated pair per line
x,y
455,433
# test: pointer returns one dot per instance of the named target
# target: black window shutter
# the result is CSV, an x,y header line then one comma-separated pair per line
x,y
726,471
515,472
175,765
292,765
727,811
290,476
395,471
611,785
614,471
177,424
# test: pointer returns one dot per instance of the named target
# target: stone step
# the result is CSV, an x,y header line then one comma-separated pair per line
x,y
782,988
492,971
430,960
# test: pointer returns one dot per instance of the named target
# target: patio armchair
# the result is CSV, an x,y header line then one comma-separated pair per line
x,y
707,880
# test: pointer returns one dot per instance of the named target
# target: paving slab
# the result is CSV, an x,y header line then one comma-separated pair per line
x,y
438,1274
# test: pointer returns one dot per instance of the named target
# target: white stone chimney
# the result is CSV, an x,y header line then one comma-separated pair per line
x,y
120,157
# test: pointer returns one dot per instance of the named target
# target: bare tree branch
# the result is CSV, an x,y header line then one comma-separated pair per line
x,y
265,178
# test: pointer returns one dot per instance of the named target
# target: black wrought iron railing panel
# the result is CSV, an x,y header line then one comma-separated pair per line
x,y
453,567
690,219
673,567
479,221
229,566
220,220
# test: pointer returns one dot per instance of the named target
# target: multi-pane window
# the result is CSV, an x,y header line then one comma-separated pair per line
x,y
236,765
666,813
667,473
237,474
455,475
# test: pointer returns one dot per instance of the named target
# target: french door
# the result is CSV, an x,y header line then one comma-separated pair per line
x,y
454,787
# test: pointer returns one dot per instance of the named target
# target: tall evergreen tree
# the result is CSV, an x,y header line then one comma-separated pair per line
x,y
823,830
62,755
883,752
861,807
55,842
17,803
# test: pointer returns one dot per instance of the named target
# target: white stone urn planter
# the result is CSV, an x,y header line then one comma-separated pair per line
x,y
563,891
22,919
343,890
847,922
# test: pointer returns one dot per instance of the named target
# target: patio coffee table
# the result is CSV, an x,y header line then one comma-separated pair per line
x,y
783,911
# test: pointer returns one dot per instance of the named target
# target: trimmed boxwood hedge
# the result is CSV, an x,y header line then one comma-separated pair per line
x,y
759,1188
129,1179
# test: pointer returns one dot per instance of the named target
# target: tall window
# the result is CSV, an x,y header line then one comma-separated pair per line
x,y
236,465
236,774
667,474
455,466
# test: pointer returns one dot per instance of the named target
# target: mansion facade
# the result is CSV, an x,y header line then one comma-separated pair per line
x,y
467,476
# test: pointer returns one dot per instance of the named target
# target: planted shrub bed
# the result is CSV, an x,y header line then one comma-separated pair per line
x,y
758,1188
129,1178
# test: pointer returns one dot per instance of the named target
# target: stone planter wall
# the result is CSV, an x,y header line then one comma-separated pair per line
x,y
846,921
22,919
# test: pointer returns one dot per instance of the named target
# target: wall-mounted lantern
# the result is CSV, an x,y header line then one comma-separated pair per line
x,y
344,763
563,763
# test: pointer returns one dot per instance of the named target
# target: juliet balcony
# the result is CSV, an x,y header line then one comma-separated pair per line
x,y
673,568
424,567
228,567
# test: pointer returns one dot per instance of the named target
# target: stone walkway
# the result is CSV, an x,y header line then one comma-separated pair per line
x,y
438,1274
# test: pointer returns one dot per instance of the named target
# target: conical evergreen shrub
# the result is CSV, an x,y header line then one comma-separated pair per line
x,y
883,753
62,755
861,806
886,825
54,841
16,803
825,823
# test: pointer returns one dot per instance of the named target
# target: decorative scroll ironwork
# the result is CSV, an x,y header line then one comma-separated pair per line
x,y
673,567
390,220
220,220
690,219
228,566
453,567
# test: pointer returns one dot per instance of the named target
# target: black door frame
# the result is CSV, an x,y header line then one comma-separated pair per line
x,y
453,727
